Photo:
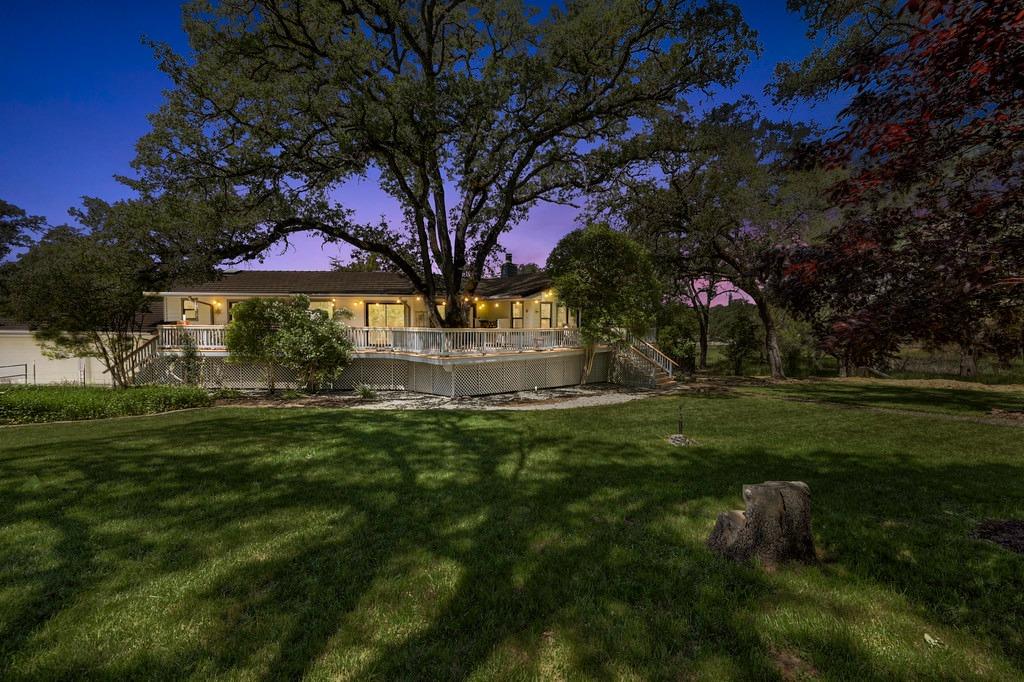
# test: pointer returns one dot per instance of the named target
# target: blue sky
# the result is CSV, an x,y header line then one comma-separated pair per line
x,y
76,84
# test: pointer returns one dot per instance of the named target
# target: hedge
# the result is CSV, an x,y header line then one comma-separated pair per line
x,y
33,404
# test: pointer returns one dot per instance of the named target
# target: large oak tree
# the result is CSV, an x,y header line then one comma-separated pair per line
x,y
469,114
714,198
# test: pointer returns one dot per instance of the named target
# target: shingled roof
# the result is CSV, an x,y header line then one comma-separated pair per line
x,y
147,320
344,282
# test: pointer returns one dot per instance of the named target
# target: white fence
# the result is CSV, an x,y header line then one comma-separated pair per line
x,y
407,339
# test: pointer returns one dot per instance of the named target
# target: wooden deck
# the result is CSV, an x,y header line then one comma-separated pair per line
x,y
209,339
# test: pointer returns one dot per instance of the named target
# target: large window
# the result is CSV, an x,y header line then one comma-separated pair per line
x,y
231,304
517,314
545,314
562,315
385,314
190,309
326,306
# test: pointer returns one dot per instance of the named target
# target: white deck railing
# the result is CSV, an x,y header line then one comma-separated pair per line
x,y
423,341
206,336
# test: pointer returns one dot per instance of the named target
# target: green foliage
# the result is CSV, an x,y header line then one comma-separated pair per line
x,y
16,228
677,334
82,290
190,363
469,113
83,295
608,278
249,335
719,197
365,392
284,332
26,404
743,342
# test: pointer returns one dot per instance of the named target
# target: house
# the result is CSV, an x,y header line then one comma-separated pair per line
x,y
23,361
520,335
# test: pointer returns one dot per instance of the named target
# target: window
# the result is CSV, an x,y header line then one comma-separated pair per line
x,y
325,306
189,309
385,314
517,314
562,315
545,314
231,304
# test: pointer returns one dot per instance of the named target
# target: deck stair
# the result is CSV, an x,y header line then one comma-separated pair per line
x,y
642,363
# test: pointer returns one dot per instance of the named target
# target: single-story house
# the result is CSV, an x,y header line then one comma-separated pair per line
x,y
520,336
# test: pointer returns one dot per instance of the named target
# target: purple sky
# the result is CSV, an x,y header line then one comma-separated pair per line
x,y
76,84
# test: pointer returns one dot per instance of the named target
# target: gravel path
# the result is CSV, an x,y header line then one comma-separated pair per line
x,y
544,399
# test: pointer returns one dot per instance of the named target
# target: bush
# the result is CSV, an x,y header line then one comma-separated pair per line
x,y
743,342
365,392
28,404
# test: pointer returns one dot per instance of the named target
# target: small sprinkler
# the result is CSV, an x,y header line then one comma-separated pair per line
x,y
678,438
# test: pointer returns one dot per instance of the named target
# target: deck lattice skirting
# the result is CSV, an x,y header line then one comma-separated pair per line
x,y
499,375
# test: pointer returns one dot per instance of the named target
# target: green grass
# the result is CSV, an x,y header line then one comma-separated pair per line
x,y
269,544
899,395
28,404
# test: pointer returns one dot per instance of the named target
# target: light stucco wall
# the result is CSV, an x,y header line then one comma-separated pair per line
x,y
19,347
213,309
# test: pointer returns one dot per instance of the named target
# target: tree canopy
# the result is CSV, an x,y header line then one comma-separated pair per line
x,y
16,228
468,115
608,278
931,243
715,197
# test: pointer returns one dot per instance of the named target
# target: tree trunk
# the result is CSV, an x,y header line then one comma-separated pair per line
x,y
771,337
968,360
702,339
454,313
774,529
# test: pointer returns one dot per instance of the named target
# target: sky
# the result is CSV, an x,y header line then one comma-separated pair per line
x,y
77,82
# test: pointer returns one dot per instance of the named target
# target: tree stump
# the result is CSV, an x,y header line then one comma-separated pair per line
x,y
775,528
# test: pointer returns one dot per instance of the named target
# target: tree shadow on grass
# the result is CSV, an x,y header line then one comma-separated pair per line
x,y
560,552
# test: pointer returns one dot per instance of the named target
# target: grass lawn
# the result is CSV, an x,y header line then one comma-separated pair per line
x,y
932,395
273,543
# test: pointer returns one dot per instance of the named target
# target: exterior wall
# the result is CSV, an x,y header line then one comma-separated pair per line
x,y
19,347
499,375
214,309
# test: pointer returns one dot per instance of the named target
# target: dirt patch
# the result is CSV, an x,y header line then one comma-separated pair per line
x,y
1013,415
792,667
1007,533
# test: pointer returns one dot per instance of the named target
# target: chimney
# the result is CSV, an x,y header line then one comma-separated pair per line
x,y
508,268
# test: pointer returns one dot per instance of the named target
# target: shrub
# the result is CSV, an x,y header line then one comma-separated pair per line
x,y
27,404
742,341
287,333
190,362
365,392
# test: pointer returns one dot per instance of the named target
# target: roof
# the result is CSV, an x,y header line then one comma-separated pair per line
x,y
149,322
516,286
342,282
301,282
